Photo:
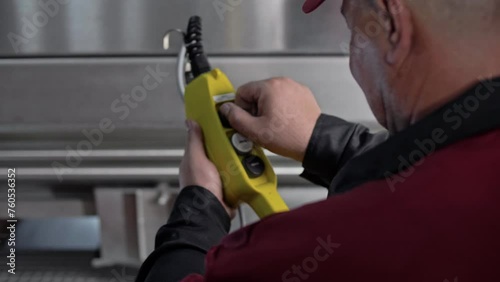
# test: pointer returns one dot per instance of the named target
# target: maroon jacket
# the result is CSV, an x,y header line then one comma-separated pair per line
x,y
426,208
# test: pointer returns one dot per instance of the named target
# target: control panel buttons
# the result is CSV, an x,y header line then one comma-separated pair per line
x,y
224,121
241,144
254,166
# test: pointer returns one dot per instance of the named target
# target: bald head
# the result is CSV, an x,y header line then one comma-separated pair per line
x,y
458,17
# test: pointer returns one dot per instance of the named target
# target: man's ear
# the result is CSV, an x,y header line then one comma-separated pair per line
x,y
400,34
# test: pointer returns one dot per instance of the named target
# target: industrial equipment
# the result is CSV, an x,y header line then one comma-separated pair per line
x,y
244,168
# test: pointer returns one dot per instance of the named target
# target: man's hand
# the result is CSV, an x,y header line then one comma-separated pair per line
x,y
197,169
278,114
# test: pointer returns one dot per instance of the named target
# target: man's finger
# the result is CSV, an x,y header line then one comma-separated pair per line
x,y
241,120
248,95
195,147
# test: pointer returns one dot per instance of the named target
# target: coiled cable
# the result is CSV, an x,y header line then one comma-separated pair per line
x,y
194,47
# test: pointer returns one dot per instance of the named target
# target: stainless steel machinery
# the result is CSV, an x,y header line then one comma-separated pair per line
x,y
90,116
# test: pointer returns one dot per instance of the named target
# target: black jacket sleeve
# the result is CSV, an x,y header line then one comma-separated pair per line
x,y
197,223
333,143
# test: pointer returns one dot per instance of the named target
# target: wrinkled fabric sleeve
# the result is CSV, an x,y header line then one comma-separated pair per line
x,y
197,223
333,143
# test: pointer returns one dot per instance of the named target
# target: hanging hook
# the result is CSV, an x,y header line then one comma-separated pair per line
x,y
181,59
166,37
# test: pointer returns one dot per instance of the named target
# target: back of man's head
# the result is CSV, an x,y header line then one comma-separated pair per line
x,y
412,56
459,17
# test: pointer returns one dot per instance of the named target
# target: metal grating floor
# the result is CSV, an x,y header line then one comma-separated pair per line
x,y
63,267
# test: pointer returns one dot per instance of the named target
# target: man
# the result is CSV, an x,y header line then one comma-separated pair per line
x,y
422,204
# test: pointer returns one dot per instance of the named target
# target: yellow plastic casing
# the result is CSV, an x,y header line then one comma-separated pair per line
x,y
202,98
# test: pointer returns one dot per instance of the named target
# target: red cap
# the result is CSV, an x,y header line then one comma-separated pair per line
x,y
311,5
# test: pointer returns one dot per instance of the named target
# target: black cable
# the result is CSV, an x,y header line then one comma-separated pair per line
x,y
199,61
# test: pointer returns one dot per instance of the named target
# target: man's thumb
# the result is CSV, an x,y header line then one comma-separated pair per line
x,y
239,119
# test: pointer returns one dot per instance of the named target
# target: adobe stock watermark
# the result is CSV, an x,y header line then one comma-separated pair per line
x,y
234,168
372,29
223,6
281,119
121,276
454,117
121,107
278,124
303,270
48,9
265,135
200,203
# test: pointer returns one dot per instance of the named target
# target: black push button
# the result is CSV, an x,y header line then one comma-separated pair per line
x,y
254,166
224,121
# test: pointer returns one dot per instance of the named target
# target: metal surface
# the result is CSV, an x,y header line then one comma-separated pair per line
x,y
71,70
49,96
114,166
57,234
55,108
131,27
37,201
64,267
130,218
